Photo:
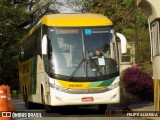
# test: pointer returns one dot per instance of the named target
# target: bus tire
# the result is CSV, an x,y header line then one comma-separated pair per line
x,y
48,108
25,99
28,105
23,95
102,108
25,102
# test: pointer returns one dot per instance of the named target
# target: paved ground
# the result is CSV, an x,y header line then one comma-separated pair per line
x,y
81,113
145,107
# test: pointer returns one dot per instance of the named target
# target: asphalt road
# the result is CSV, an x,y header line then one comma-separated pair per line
x,y
70,113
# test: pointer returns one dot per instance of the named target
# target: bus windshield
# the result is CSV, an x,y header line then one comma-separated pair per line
x,y
82,52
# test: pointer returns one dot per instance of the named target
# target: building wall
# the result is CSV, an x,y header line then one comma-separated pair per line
x,y
127,59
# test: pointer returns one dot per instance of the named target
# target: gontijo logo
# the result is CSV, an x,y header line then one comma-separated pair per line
x,y
75,85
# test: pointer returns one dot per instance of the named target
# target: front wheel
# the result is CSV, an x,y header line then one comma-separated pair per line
x,y
28,105
102,108
48,108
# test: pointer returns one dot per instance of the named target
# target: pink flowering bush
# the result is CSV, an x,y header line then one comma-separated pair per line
x,y
138,82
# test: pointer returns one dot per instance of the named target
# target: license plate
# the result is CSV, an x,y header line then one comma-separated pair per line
x,y
87,99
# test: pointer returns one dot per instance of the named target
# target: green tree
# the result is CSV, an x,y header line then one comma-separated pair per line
x,y
11,17
16,19
124,14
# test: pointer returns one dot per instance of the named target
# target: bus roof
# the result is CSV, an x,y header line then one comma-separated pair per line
x,y
74,20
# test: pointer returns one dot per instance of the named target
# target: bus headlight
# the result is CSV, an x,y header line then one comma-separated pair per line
x,y
57,87
113,86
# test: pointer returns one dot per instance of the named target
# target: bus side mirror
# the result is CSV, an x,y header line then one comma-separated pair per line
x,y
44,45
123,42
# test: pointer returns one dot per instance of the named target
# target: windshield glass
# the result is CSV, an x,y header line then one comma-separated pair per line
x,y
82,52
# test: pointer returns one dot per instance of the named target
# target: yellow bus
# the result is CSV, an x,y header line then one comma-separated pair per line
x,y
70,59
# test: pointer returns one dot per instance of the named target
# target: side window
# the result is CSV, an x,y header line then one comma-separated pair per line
x,y
38,41
155,38
127,57
33,44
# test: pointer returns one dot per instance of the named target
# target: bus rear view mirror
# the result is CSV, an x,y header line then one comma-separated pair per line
x,y
123,42
44,45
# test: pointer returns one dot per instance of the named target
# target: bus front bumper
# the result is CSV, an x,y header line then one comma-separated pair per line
x,y
59,98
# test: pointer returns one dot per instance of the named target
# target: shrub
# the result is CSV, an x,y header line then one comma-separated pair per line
x,y
14,94
138,82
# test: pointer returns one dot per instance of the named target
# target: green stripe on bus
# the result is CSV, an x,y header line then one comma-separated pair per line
x,y
102,83
33,76
108,82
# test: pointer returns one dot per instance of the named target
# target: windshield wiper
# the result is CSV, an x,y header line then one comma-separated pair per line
x,y
79,65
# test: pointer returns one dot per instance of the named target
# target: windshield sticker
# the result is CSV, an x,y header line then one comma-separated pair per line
x,y
101,61
88,32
